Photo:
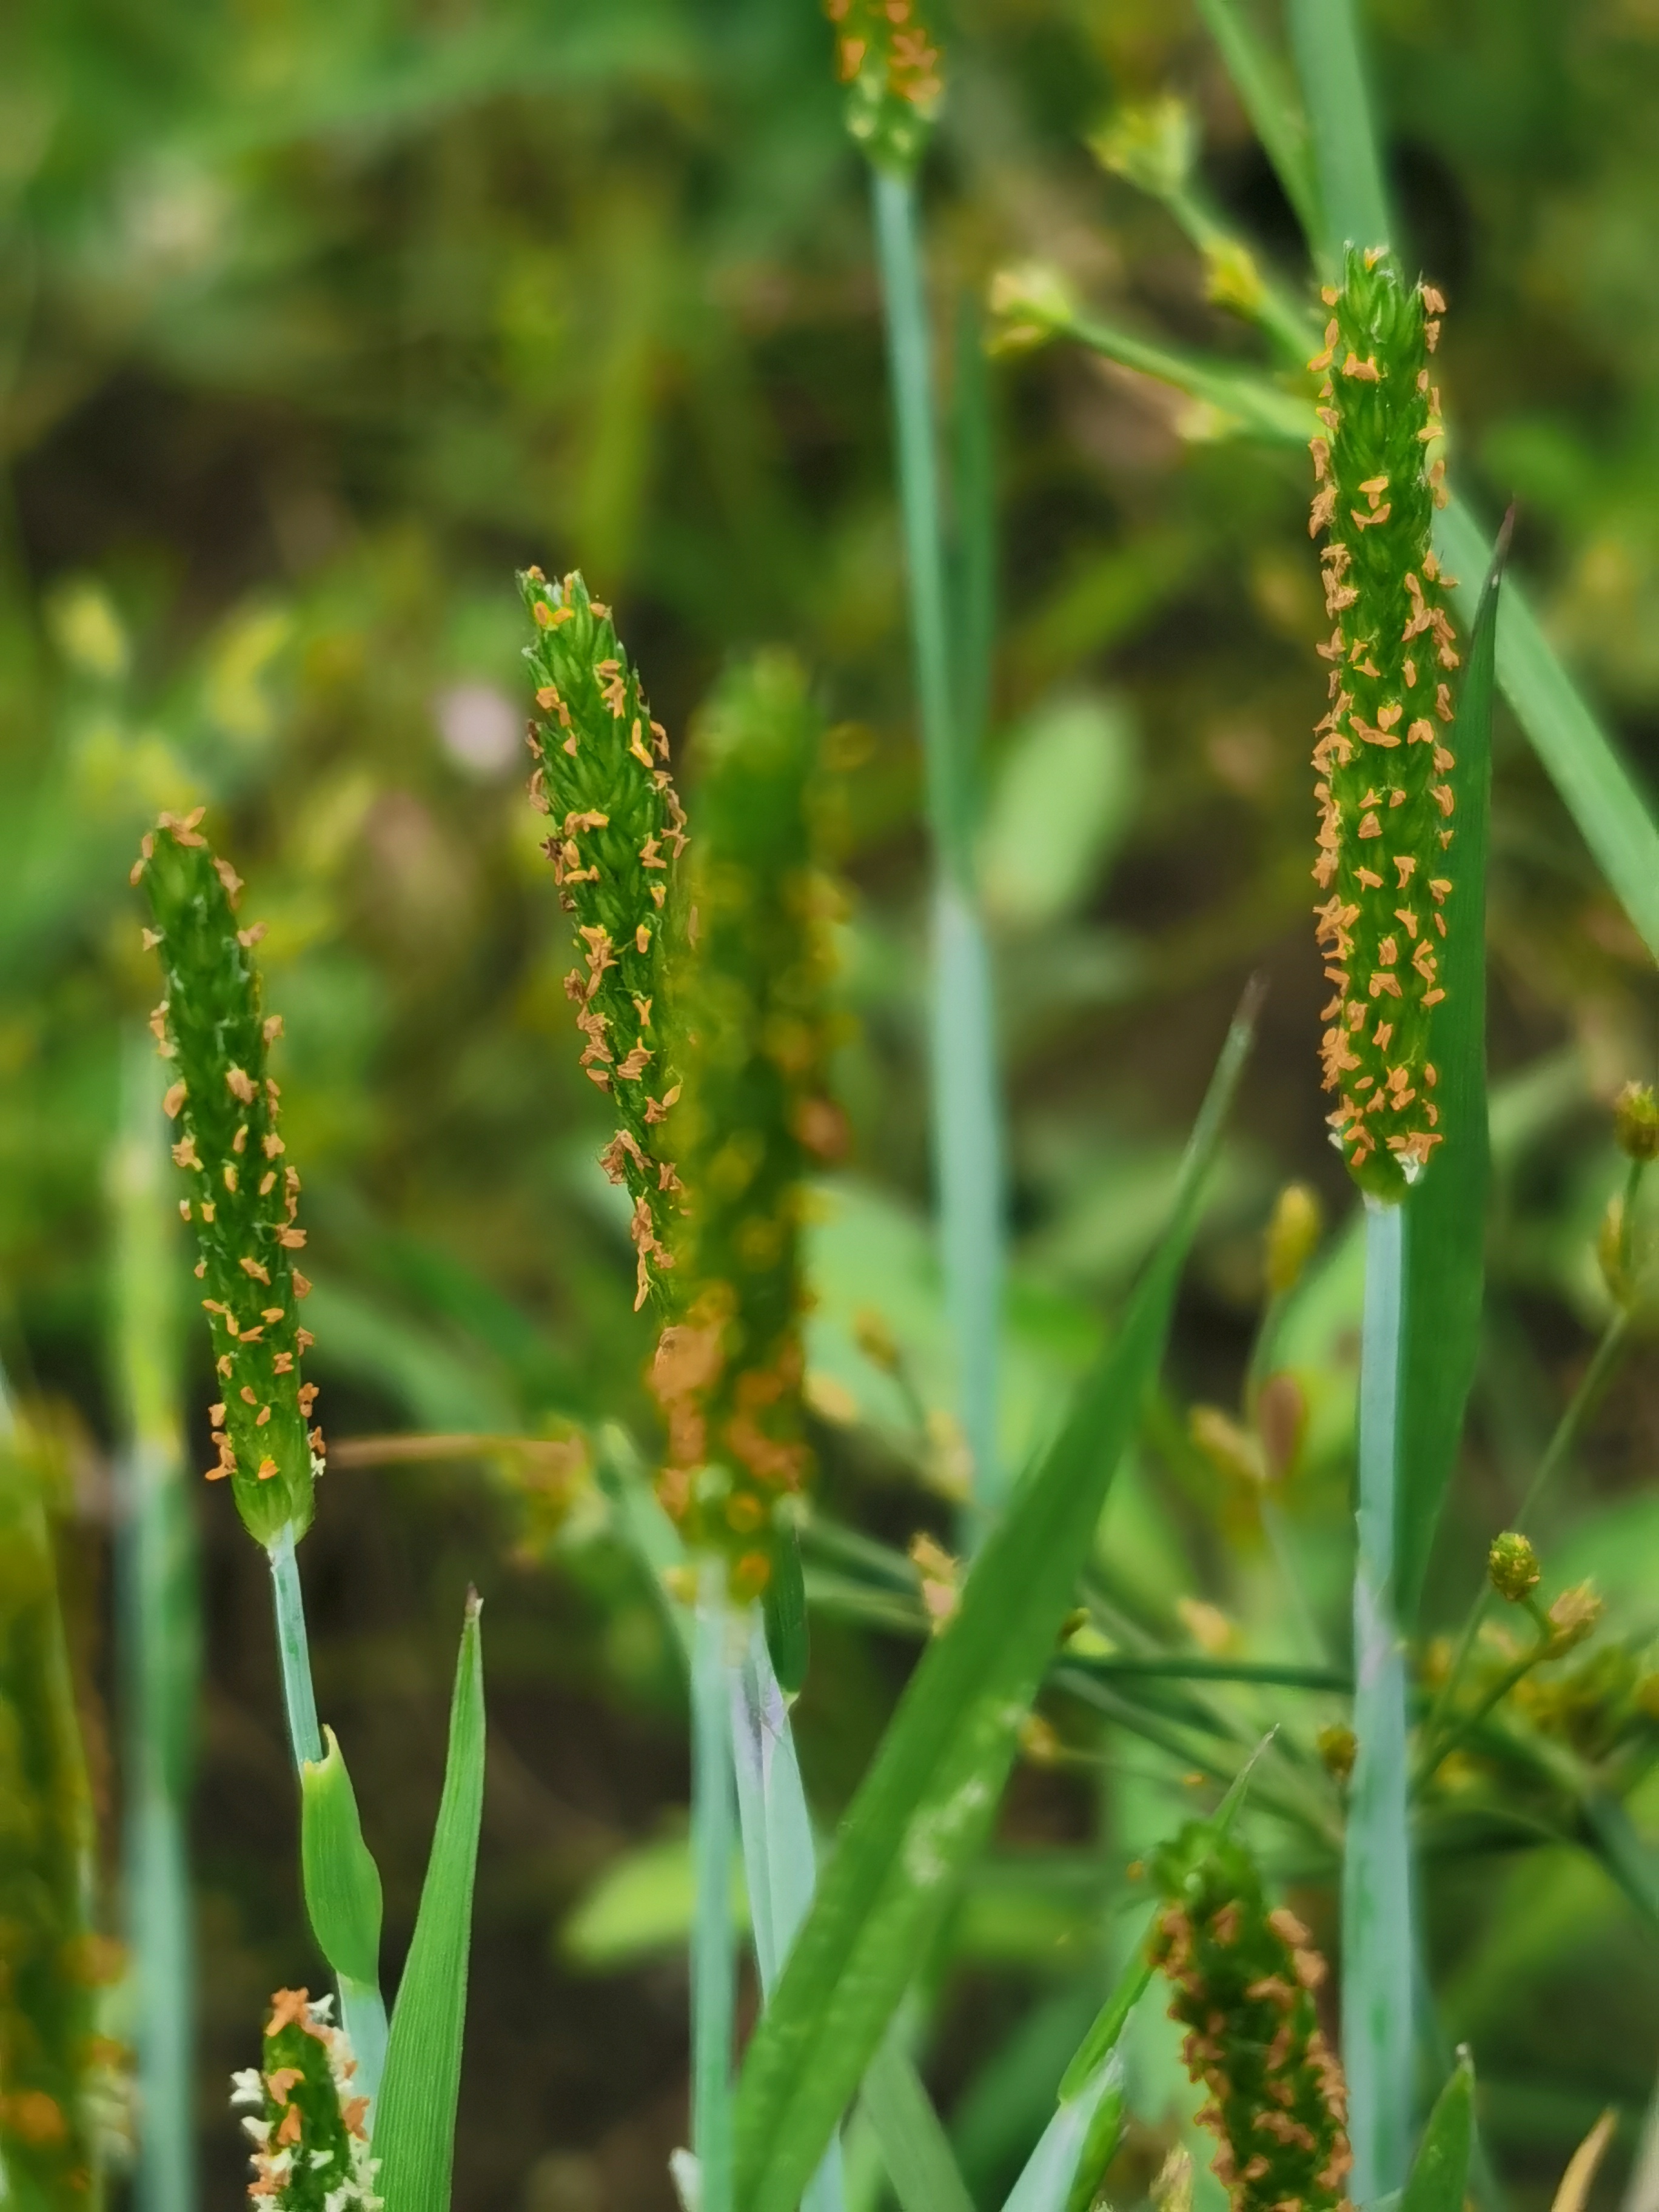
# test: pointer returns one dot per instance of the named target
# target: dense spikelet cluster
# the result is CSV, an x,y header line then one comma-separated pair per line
x,y
1244,1980
242,1194
305,2117
53,2063
887,58
755,1118
602,775
1383,758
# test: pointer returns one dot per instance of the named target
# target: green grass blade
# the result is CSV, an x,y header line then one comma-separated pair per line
x,y
713,1939
1615,817
415,2129
1440,2172
1376,1886
927,1801
1354,199
294,1650
1445,1216
1075,2149
779,1860
914,2148
1270,102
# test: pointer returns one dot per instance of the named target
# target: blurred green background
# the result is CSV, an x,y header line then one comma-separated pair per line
x,y
315,321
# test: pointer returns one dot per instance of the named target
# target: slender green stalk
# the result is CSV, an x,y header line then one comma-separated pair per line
x,y
713,1941
1376,1882
966,1110
1604,1361
1354,197
160,1609
294,1650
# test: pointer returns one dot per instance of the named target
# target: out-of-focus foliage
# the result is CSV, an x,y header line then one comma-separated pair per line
x,y
317,322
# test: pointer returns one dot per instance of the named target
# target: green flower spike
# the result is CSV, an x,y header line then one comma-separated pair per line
x,y
755,1118
1382,756
602,773
305,2117
1244,1979
243,1196
890,64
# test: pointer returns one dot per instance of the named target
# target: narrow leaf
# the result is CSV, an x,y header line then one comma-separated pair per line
x,y
1615,817
1440,2172
914,2148
414,2130
928,1799
1445,1215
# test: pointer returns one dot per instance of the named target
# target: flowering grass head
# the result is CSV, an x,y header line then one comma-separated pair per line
x,y
756,1117
1383,758
618,830
241,1194
304,2114
887,58
1244,1978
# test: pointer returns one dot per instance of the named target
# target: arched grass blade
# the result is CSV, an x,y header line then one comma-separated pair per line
x,y
415,2129
926,1804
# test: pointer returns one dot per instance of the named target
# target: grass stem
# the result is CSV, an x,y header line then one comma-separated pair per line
x,y
160,1619
713,1941
966,1104
294,1650
1377,1884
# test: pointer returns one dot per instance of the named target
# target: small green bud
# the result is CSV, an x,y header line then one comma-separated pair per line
x,y
886,58
1244,1979
1636,1121
1230,1449
242,1194
1512,1566
618,830
1232,278
306,2121
1029,304
1383,758
1293,1234
1151,145
1338,1747
1572,1617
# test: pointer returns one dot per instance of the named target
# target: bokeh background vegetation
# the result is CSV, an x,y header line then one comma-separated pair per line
x,y
315,321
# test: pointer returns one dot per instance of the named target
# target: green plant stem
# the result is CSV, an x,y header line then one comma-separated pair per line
x,y
1377,1884
966,1104
1609,1350
159,1612
713,1941
1353,198
293,1651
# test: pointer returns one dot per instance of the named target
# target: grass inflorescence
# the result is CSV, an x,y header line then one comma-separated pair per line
x,y
243,1194
1382,758
602,775
755,1117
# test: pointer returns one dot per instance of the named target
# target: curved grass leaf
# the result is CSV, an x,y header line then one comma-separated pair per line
x,y
914,2148
1271,104
1615,818
1445,1215
928,1799
342,1902
1354,199
415,2128
1440,2172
